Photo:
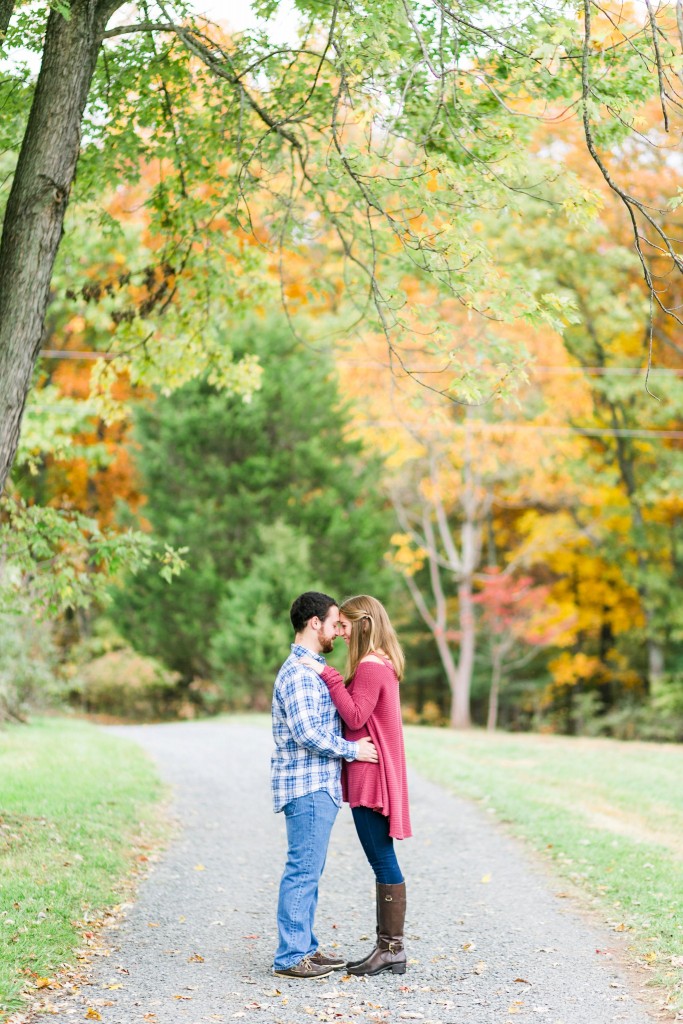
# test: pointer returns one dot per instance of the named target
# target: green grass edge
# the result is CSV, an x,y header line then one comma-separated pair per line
x,y
539,788
81,813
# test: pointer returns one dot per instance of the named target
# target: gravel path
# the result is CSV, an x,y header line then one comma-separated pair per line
x,y
488,940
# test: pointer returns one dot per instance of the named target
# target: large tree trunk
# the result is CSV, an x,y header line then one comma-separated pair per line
x,y
6,8
34,217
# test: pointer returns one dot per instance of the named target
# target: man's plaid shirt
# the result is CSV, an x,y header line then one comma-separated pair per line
x,y
307,734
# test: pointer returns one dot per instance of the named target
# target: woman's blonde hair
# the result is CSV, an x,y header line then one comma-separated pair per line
x,y
371,630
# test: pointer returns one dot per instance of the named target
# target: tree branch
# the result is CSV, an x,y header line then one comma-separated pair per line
x,y
228,74
632,205
143,26
420,603
658,57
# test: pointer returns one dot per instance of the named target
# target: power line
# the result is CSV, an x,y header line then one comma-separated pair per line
x,y
625,371
644,434
602,371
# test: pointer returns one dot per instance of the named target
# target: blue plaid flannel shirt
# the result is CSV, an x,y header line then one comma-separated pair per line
x,y
307,734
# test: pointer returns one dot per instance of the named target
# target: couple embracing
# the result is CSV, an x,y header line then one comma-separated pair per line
x,y
316,765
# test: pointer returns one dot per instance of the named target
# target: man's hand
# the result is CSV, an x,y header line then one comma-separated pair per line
x,y
367,750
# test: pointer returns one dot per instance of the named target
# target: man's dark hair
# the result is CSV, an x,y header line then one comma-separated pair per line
x,y
307,606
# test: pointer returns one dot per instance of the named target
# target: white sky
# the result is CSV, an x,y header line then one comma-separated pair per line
x,y
238,15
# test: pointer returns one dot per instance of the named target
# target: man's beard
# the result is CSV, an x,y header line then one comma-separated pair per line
x,y
326,644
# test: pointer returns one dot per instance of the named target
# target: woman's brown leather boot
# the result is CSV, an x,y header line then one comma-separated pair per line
x,y
389,953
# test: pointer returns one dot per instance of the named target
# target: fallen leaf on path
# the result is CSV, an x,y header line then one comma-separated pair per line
x,y
182,997
523,981
563,895
117,984
151,1017
469,946
152,924
196,958
199,867
46,983
92,1014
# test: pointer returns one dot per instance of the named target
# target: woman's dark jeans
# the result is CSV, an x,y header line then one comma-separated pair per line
x,y
373,832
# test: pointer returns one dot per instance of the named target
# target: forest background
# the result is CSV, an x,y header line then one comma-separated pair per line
x,y
232,405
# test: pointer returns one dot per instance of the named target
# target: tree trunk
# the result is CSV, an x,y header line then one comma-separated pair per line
x,y
460,708
470,554
448,662
32,228
625,461
492,719
655,661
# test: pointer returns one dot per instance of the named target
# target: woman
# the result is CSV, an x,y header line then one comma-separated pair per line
x,y
369,705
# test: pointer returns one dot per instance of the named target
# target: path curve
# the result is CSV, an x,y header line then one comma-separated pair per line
x,y
488,940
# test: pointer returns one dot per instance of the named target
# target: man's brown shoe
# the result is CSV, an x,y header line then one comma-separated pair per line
x,y
306,968
327,961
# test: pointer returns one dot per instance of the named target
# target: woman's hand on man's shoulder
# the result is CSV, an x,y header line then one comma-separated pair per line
x,y
310,663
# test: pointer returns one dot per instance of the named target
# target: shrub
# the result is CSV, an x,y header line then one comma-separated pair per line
x,y
28,662
125,684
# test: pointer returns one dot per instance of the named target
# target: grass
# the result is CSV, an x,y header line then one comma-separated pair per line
x,y
72,800
608,814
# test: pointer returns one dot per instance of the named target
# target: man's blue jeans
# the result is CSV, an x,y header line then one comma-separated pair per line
x,y
309,822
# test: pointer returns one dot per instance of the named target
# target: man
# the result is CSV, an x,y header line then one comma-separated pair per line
x,y
306,782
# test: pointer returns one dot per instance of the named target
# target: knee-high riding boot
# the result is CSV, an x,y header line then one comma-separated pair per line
x,y
389,953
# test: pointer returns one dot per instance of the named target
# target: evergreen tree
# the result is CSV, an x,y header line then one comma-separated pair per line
x,y
215,470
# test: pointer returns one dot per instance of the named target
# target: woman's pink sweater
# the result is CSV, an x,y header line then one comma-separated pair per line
x,y
370,706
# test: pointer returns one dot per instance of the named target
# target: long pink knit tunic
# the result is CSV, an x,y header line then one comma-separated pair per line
x,y
370,706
